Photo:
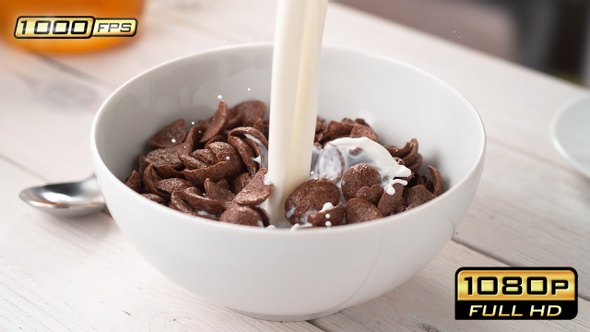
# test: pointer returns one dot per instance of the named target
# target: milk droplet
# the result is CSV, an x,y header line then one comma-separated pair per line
x,y
327,207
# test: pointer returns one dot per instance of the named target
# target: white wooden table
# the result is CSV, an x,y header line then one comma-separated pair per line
x,y
531,209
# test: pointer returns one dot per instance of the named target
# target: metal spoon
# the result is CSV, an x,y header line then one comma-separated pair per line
x,y
70,199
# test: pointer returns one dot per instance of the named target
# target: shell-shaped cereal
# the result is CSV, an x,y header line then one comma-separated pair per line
x,y
171,134
357,177
219,193
194,135
360,210
191,162
437,181
242,215
331,217
195,199
149,179
360,130
335,129
330,163
245,151
389,204
217,124
205,155
155,198
168,156
240,182
229,165
221,170
311,196
417,195
133,181
256,191
371,194
177,203
171,185
246,113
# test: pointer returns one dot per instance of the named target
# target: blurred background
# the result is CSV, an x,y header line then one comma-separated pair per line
x,y
552,36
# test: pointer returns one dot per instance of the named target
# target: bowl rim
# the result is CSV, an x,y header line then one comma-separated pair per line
x,y
203,222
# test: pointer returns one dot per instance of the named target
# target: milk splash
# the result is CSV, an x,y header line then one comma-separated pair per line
x,y
340,154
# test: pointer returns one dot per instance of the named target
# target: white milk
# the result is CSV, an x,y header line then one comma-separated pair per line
x,y
294,97
342,153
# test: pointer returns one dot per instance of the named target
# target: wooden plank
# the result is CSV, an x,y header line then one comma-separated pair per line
x,y
426,303
82,274
238,21
46,114
530,213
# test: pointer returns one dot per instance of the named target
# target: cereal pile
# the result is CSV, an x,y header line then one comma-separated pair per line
x,y
216,169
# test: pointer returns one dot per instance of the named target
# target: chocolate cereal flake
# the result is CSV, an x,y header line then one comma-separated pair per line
x,y
360,210
242,215
389,204
155,198
218,123
216,169
436,184
246,113
309,197
371,194
246,153
218,192
228,165
417,195
361,130
150,177
172,134
168,156
357,177
332,216
256,191
202,205
168,186
240,182
134,181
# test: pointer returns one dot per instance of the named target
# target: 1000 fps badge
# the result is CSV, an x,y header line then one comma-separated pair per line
x,y
61,27
516,293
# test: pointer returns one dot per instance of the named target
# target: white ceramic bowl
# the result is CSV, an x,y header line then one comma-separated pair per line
x,y
278,274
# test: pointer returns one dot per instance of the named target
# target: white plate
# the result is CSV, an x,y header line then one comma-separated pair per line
x,y
570,130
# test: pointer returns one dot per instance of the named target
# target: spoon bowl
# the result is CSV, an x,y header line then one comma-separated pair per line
x,y
68,199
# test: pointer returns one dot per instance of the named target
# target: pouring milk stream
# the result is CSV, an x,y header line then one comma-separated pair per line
x,y
294,108
294,96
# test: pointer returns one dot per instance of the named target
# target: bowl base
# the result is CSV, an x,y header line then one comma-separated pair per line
x,y
288,318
